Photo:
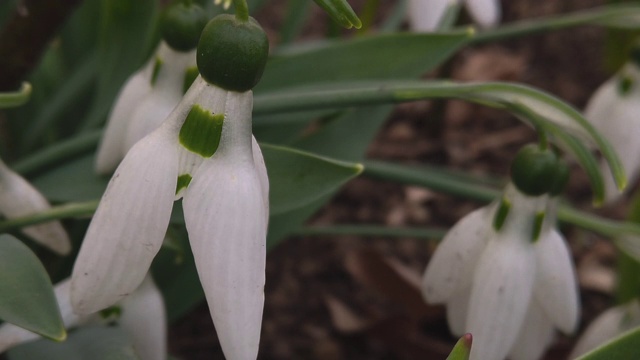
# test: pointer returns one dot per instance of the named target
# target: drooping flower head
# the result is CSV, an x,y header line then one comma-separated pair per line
x,y
504,272
19,198
426,15
613,110
150,94
142,316
204,152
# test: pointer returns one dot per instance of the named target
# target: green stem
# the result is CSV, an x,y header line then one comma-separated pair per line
x,y
58,153
242,10
55,213
534,26
15,98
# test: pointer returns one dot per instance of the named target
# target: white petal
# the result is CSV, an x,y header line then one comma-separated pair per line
x,y
111,149
535,336
451,266
614,115
129,225
485,13
19,198
224,214
457,310
261,169
425,15
608,325
145,321
556,288
500,295
149,114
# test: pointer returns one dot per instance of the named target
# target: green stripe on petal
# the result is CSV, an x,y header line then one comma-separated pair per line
x,y
190,75
183,182
156,70
501,214
201,131
537,226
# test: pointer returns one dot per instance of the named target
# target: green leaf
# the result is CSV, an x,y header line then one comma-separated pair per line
x,y
27,300
95,343
379,57
16,98
298,178
74,181
624,346
462,349
341,12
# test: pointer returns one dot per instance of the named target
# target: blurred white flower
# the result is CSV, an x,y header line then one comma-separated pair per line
x,y
142,317
145,100
506,277
19,198
613,110
426,15
222,176
607,326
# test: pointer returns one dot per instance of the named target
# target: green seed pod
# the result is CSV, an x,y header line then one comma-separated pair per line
x,y
232,53
560,179
534,170
181,26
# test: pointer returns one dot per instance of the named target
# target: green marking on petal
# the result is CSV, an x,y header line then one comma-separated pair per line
x,y
156,70
183,181
501,214
537,226
625,84
190,75
111,313
201,131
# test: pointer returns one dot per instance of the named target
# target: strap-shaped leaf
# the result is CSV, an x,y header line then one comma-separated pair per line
x,y
15,98
26,294
341,12
623,347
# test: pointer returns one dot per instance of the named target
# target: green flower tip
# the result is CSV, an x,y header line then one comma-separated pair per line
x,y
232,53
537,171
181,25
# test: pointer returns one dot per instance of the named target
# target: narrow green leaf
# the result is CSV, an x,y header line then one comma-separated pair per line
x,y
378,57
624,346
27,298
462,349
298,178
16,98
95,343
341,12
297,15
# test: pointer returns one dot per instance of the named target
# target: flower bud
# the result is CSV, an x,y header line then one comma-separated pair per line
x,y
232,53
181,25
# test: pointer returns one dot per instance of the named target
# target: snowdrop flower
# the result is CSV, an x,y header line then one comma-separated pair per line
x,y
150,94
204,152
506,277
607,326
426,15
142,317
19,198
613,110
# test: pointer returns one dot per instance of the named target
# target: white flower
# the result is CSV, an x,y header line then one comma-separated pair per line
x,y
505,287
607,326
225,208
19,198
142,317
613,110
426,15
143,103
